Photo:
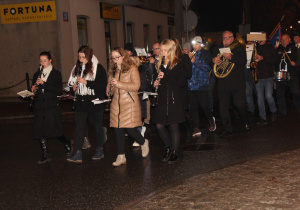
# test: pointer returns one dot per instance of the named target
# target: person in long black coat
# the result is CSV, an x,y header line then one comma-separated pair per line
x,y
47,84
169,104
187,66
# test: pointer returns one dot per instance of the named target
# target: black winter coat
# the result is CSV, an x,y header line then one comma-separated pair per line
x,y
84,102
187,64
292,53
169,104
143,87
47,115
266,66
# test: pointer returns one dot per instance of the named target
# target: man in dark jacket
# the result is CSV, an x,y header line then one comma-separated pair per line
x,y
266,59
198,86
233,85
286,58
297,45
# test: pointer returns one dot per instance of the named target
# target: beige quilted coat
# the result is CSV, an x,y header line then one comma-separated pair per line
x,y
125,108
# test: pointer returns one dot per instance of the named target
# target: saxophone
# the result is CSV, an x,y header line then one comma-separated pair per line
x,y
254,64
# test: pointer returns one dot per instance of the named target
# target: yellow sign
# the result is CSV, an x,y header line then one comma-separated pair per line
x,y
29,12
110,11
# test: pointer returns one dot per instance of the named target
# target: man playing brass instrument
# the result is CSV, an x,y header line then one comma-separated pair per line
x,y
233,85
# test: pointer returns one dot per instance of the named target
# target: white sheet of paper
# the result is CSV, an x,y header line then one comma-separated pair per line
x,y
97,101
147,94
140,51
225,50
25,93
249,51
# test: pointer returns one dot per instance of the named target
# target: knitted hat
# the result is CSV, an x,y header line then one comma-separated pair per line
x,y
187,46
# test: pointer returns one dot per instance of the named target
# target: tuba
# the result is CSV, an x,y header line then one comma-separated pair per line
x,y
226,66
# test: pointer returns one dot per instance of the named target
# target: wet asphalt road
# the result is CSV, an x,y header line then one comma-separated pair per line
x,y
98,185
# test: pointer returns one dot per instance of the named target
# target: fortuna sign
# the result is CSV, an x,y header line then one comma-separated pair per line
x,y
29,12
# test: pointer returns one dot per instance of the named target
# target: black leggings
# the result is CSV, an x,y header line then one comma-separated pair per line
x,y
170,135
120,138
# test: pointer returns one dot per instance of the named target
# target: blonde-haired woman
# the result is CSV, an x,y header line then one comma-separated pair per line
x,y
169,111
125,109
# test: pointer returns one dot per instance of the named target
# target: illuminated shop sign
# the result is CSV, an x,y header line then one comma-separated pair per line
x,y
110,11
29,12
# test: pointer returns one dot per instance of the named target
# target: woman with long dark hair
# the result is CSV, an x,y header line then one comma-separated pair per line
x,y
169,104
47,85
88,79
125,109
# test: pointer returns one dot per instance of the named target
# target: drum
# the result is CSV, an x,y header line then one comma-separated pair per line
x,y
282,76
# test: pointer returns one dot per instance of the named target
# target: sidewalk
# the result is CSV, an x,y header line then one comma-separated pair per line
x,y
17,111
269,182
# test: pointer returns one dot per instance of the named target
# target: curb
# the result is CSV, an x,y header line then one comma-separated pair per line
x,y
30,118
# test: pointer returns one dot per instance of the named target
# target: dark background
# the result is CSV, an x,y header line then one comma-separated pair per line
x,y
262,15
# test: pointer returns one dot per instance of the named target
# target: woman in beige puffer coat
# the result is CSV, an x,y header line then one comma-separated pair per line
x,y
125,109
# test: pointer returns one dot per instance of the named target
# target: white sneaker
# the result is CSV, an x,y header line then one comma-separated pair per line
x,y
121,159
135,144
143,130
145,148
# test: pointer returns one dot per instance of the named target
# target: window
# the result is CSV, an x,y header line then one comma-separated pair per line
x,y
107,39
129,32
82,30
171,33
159,33
146,37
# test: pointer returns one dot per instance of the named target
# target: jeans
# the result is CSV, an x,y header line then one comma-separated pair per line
x,y
293,85
250,89
264,88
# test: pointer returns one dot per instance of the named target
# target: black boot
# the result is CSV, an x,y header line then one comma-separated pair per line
x,y
45,157
167,155
174,157
68,144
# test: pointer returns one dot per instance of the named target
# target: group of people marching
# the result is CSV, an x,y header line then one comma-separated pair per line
x,y
183,80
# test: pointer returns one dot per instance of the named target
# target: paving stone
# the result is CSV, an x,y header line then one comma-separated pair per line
x,y
270,182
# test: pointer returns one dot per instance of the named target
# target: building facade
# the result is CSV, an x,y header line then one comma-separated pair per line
x,y
62,26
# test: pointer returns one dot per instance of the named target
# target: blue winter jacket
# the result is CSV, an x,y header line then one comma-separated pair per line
x,y
201,69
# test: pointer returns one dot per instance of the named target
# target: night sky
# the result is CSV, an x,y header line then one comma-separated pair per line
x,y
264,15
217,16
